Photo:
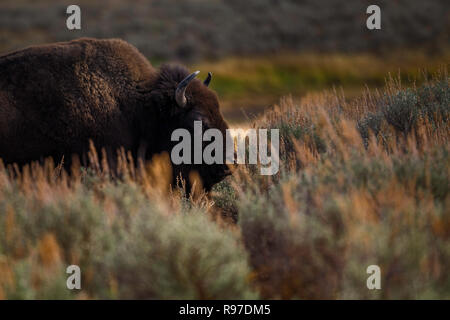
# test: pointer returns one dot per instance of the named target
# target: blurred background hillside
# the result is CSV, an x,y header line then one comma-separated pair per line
x,y
258,50
191,30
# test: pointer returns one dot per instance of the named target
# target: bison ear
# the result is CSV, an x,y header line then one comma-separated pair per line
x,y
180,96
208,79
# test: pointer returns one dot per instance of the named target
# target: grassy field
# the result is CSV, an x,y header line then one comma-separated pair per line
x,y
249,85
362,181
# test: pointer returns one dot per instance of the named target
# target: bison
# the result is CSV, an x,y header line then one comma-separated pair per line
x,y
55,98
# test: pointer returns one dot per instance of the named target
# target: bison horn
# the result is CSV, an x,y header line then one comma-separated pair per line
x,y
208,79
181,89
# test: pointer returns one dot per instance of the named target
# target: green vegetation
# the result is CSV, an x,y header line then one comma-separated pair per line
x,y
361,182
127,243
254,83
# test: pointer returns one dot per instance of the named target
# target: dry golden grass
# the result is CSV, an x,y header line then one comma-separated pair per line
x,y
359,184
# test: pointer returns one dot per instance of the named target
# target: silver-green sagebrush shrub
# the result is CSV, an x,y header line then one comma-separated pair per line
x,y
184,256
127,246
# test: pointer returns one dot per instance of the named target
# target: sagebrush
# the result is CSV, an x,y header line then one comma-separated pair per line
x,y
360,183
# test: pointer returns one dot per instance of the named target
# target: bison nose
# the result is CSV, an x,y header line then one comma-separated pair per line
x,y
223,171
227,172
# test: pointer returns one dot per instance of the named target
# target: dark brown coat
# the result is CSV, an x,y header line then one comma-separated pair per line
x,y
54,98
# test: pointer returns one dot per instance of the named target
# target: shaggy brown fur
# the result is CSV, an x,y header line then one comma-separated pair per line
x,y
54,98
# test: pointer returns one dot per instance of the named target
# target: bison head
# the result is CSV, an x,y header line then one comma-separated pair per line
x,y
181,99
